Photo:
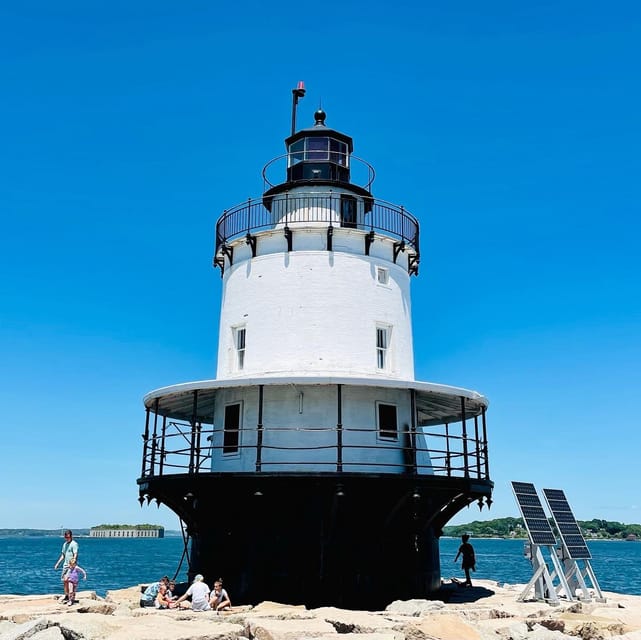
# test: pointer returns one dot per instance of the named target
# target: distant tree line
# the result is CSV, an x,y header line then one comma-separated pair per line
x,y
515,528
41,532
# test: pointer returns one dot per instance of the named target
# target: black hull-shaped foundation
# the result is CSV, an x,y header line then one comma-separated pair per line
x,y
354,541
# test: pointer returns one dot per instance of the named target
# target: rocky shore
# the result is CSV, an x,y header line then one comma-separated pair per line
x,y
487,611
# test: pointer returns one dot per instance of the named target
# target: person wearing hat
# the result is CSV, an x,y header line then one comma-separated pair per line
x,y
199,593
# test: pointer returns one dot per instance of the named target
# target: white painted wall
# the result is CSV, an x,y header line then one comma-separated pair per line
x,y
315,312
300,432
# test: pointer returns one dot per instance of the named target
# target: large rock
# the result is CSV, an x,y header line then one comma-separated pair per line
x,y
263,628
441,627
414,607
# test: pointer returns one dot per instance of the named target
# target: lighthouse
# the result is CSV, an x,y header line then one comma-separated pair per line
x,y
314,468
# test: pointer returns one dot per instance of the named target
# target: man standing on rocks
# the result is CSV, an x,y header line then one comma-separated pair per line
x,y
69,551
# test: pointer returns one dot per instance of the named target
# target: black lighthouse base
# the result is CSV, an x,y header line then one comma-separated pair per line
x,y
354,541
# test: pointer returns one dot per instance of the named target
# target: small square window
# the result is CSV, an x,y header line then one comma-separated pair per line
x,y
382,275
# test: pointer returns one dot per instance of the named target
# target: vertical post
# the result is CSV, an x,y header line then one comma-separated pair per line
x,y
478,446
339,428
297,93
162,446
199,429
487,462
448,453
413,431
145,440
259,430
192,449
464,427
153,442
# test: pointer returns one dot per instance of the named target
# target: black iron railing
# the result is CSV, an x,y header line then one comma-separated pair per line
x,y
369,215
446,450
361,173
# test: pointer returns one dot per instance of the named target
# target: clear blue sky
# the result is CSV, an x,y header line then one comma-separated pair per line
x,y
510,129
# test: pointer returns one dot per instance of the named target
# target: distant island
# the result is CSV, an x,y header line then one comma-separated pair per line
x,y
94,532
515,528
500,528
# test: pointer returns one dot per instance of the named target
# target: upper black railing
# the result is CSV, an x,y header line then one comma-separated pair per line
x,y
364,213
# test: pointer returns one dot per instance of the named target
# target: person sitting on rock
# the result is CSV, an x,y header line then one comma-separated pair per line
x,y
199,593
219,597
148,597
163,600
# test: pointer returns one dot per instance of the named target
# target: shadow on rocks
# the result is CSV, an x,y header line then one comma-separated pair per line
x,y
456,592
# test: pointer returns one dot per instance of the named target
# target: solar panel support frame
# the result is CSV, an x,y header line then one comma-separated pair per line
x,y
543,580
576,570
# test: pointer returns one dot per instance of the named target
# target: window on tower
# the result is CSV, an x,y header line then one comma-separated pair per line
x,y
296,152
231,429
239,344
338,152
382,347
382,275
387,421
318,149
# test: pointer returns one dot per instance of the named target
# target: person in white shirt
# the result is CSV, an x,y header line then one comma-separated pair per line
x,y
219,597
199,593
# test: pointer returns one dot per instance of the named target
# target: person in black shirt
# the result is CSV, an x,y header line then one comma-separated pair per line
x,y
466,550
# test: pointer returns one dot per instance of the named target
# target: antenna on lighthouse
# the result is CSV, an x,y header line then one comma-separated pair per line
x,y
298,92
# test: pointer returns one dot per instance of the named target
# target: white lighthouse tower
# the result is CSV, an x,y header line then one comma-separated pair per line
x,y
315,463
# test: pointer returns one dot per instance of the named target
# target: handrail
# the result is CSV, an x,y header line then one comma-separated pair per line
x,y
312,156
444,454
373,216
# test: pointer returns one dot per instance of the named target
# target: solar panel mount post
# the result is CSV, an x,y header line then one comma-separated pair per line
x,y
541,536
575,552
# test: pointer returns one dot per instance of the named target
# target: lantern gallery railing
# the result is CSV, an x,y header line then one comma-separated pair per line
x,y
451,450
284,211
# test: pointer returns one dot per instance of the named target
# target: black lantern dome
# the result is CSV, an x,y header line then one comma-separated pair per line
x,y
316,156
318,153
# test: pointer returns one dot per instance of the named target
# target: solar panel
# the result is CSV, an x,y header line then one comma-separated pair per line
x,y
567,525
534,517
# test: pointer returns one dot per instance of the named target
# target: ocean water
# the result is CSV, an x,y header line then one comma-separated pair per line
x,y
26,564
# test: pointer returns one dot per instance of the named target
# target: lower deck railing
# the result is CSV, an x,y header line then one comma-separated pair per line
x,y
451,450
